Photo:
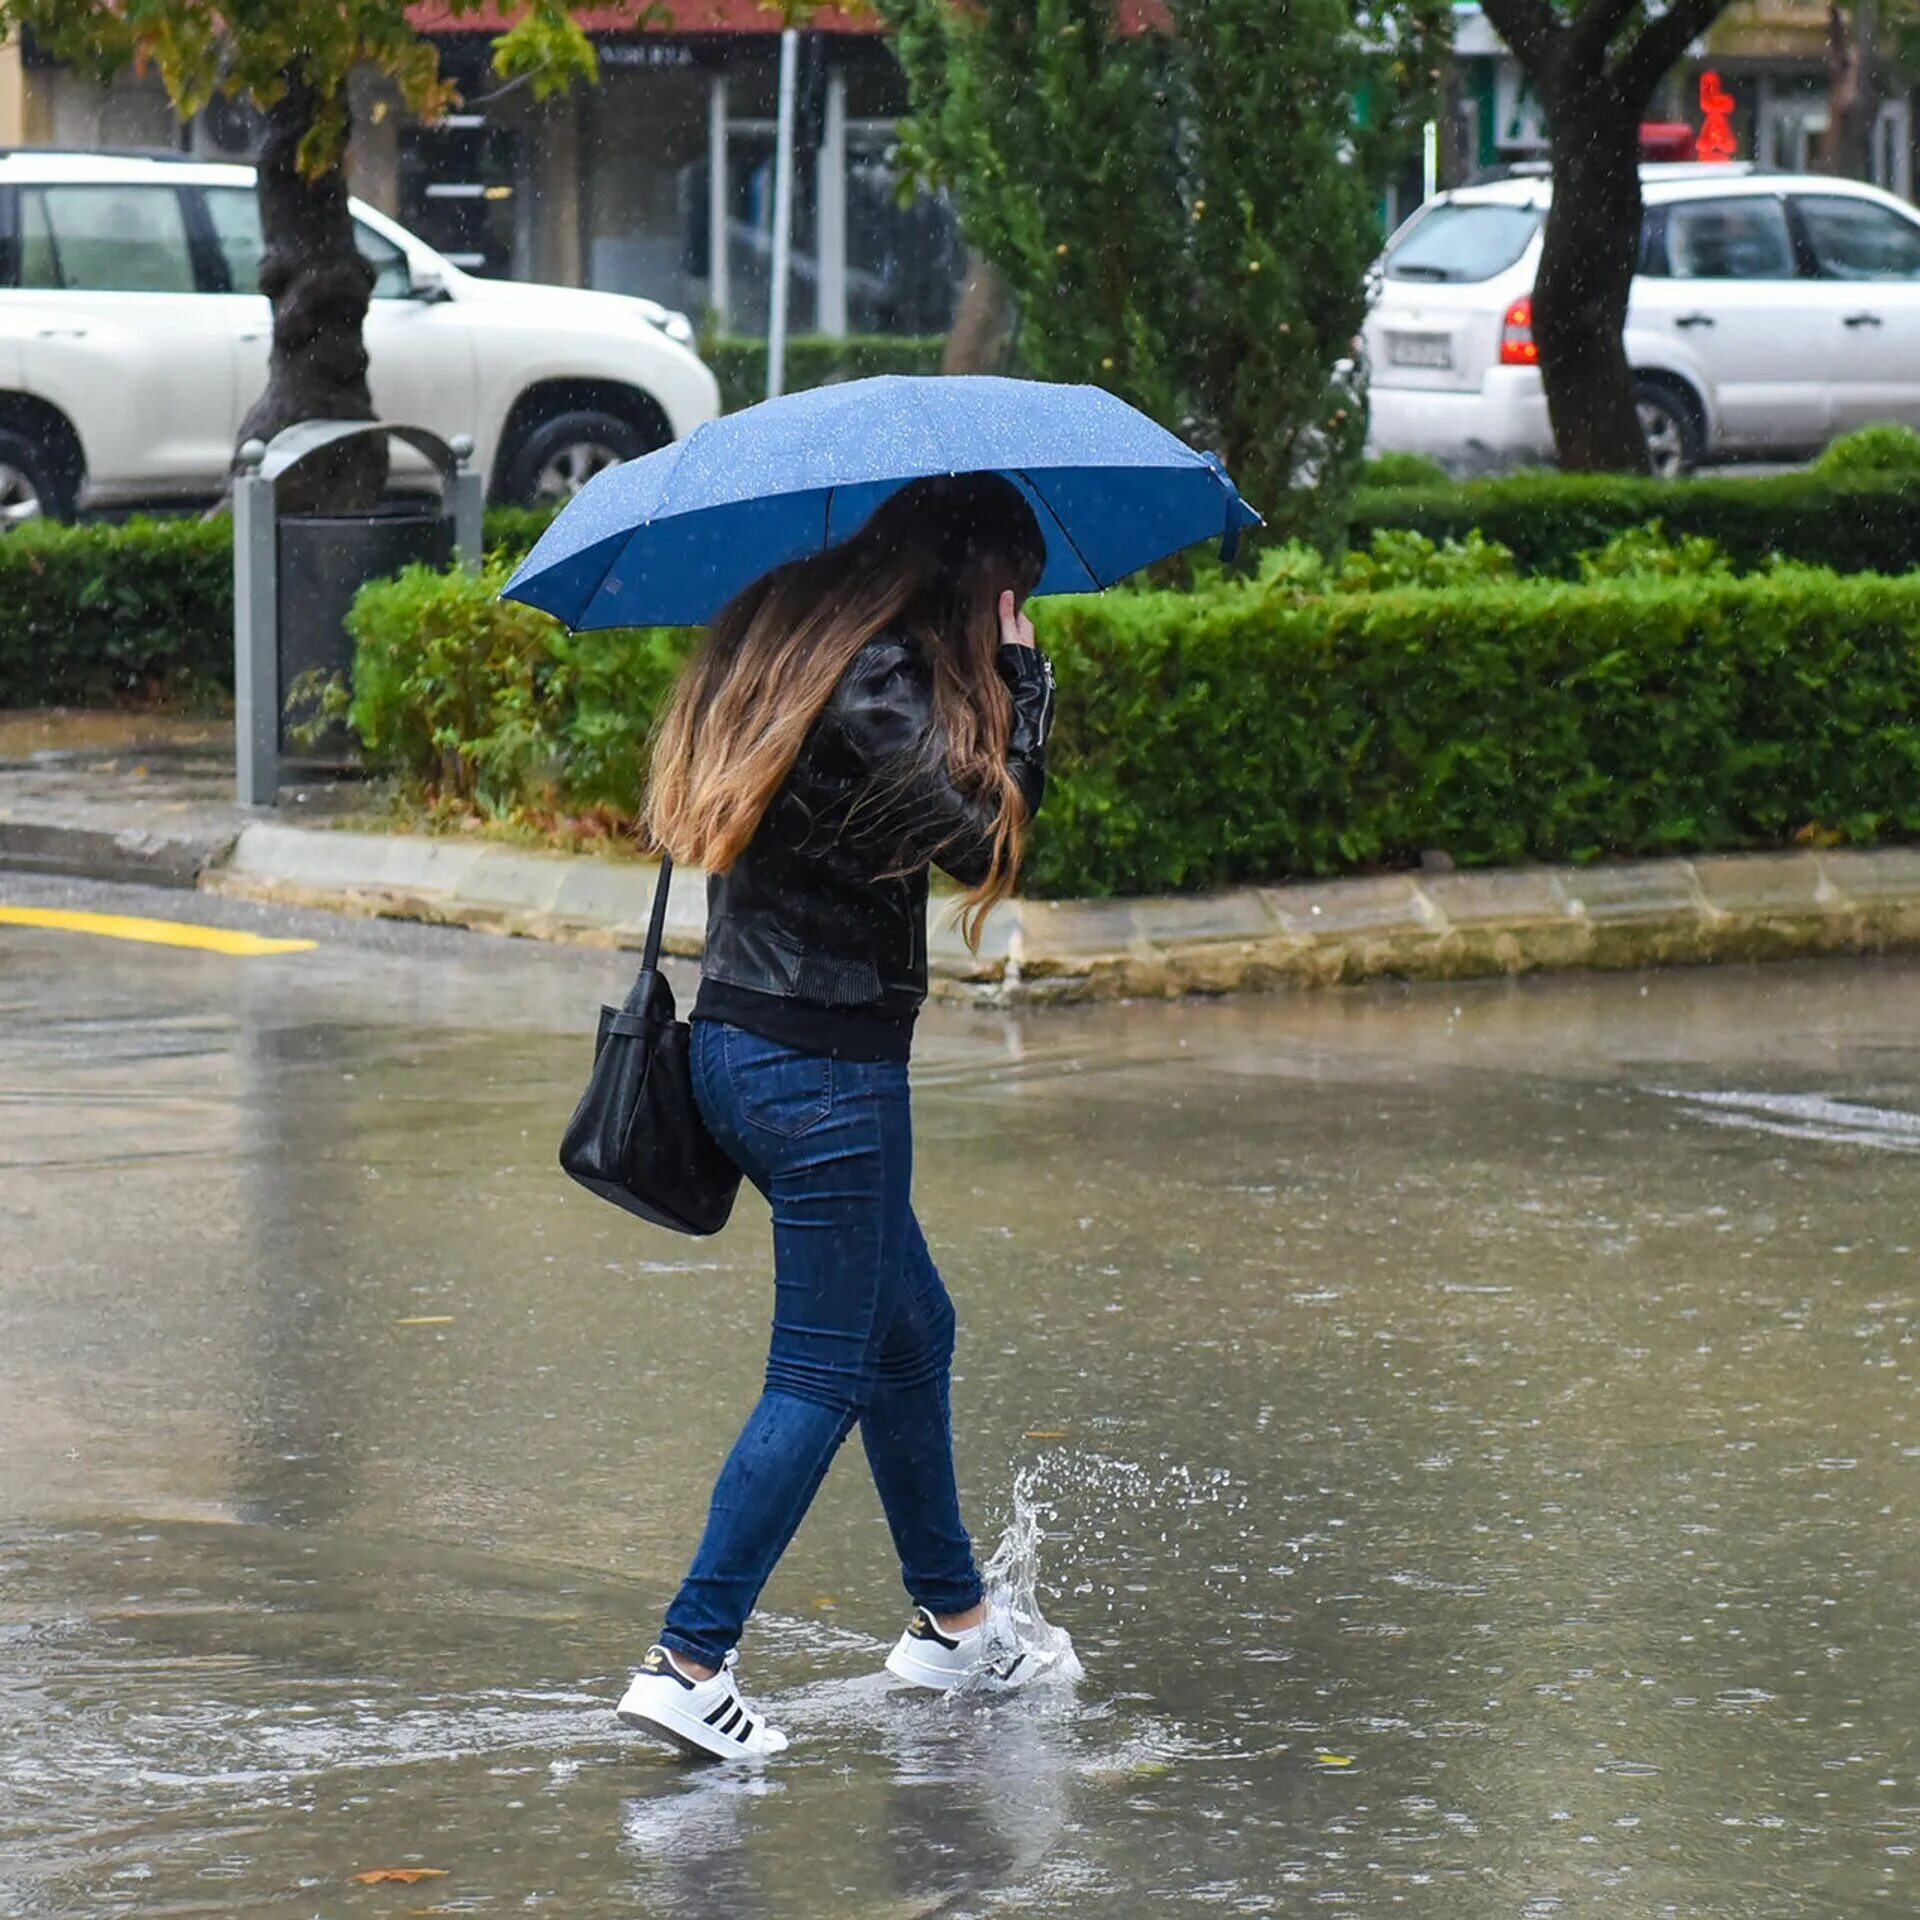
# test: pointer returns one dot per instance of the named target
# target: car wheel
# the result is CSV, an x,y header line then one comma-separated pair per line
x,y
32,486
558,457
1671,428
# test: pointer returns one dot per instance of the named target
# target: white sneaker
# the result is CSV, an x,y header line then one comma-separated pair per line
x,y
705,1719
988,1653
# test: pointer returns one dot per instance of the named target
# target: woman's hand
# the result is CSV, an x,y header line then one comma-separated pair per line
x,y
1016,630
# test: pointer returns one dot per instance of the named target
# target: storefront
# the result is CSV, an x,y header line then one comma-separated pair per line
x,y
659,180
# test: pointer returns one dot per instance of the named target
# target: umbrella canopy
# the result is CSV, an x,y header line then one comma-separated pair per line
x,y
669,539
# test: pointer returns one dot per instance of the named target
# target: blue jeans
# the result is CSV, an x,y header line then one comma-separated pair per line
x,y
862,1331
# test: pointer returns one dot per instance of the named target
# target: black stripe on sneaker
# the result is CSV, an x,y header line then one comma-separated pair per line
x,y
733,1718
746,1729
660,1664
921,1627
718,1711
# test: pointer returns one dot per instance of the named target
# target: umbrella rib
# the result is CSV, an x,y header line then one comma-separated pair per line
x,y
826,521
1062,525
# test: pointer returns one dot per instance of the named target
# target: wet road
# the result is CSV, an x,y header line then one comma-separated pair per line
x,y
1474,1428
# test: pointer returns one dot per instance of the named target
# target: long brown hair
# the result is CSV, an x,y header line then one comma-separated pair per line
x,y
931,565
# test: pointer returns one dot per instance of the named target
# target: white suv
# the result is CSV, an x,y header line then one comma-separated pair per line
x,y
1769,313
133,339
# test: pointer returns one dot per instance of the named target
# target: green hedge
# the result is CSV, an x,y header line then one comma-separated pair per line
x,y
106,613
488,706
1869,523
814,359
1243,737
1260,731
98,614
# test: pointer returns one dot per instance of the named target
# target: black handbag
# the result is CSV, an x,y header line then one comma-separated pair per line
x,y
637,1137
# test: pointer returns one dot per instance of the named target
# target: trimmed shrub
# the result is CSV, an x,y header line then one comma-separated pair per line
x,y
1253,735
141,610
509,532
95,615
1872,452
482,704
1402,470
816,360
1869,524
1269,729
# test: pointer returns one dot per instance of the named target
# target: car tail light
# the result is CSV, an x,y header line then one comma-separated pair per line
x,y
1517,347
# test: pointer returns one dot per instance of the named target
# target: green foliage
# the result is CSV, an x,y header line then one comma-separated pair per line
x,y
1263,729
1549,520
814,360
1646,553
509,532
1885,451
1399,558
254,50
1251,735
101,614
1394,559
1402,470
95,615
483,704
1184,216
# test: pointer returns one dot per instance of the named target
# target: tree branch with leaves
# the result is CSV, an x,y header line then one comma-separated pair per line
x,y
1184,215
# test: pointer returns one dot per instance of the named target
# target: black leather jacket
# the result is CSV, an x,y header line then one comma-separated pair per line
x,y
828,904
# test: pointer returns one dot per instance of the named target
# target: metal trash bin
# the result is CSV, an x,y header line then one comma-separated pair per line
x,y
295,577
324,560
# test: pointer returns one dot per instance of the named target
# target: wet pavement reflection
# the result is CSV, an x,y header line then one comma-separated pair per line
x,y
1473,1431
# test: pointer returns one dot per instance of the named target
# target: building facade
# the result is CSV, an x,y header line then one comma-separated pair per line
x,y
658,180
1763,69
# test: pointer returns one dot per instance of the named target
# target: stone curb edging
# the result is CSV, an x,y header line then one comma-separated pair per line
x,y
1452,925
134,855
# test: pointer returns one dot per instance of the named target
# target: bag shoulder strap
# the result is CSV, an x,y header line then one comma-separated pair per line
x,y
657,923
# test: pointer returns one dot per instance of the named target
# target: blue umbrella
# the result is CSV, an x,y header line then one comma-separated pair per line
x,y
669,539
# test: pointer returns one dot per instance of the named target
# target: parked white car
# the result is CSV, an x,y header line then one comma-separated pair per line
x,y
1770,313
133,340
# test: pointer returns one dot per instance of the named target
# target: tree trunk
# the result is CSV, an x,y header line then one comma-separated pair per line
x,y
1853,91
983,324
1588,255
1458,163
319,286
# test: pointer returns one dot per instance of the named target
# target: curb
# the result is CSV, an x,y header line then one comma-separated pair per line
x,y
99,853
1439,926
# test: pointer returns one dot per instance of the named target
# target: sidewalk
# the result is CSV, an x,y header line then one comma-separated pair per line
x,y
145,801
146,798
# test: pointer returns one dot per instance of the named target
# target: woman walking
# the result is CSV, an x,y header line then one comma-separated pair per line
x,y
850,720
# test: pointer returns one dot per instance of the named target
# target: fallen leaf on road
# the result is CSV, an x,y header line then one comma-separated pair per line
x,y
1334,1759
1046,1433
397,1876
426,1320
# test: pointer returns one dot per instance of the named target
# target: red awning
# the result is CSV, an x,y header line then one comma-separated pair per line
x,y
716,16
685,16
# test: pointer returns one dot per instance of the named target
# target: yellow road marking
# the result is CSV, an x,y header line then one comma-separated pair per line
x,y
159,933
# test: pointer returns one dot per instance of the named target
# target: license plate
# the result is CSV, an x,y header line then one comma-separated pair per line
x,y
1419,350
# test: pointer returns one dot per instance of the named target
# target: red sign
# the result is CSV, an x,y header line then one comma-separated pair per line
x,y
1667,140
1716,141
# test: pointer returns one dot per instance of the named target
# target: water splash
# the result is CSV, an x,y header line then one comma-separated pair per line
x,y
1012,1577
